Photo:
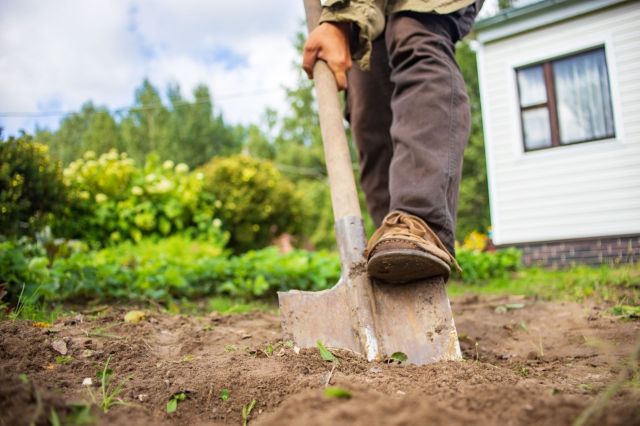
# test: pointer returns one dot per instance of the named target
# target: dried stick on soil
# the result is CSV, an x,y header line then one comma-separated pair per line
x,y
326,383
601,402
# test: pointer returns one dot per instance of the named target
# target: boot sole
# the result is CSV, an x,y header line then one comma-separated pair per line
x,y
406,265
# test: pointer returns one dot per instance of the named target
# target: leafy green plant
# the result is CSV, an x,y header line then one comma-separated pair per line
x,y
337,392
23,268
398,357
326,354
246,411
177,397
31,187
179,266
254,201
64,359
224,394
481,265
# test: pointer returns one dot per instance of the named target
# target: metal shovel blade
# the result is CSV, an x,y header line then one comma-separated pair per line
x,y
370,318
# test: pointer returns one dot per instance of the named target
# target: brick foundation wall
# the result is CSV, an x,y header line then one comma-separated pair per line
x,y
587,251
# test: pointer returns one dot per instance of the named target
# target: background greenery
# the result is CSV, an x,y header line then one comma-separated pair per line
x,y
166,201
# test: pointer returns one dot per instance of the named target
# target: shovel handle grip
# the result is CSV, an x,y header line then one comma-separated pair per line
x,y
344,196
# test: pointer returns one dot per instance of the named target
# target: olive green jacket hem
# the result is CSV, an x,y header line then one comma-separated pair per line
x,y
369,17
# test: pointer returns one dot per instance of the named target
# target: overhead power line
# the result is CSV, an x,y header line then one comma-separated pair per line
x,y
121,110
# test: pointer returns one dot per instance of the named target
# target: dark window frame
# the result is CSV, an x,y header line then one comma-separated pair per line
x,y
551,102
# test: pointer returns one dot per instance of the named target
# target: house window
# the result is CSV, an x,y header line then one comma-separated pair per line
x,y
565,101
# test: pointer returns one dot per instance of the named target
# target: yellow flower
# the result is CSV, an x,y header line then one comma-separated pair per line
x,y
167,165
182,168
101,198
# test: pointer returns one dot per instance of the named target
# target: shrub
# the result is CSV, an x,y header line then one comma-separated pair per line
x,y
113,200
31,188
254,201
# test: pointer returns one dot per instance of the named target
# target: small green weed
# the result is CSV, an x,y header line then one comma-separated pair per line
x,y
325,353
224,394
337,392
108,394
64,359
177,397
398,357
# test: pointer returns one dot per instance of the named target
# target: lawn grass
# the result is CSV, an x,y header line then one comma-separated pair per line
x,y
619,285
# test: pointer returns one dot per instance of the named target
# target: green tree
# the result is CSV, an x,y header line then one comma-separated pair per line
x,y
144,128
92,128
473,205
196,133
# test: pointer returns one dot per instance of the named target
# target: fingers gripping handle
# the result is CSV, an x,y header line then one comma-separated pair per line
x,y
344,196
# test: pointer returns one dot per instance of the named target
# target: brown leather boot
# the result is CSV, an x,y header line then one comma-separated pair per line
x,y
405,249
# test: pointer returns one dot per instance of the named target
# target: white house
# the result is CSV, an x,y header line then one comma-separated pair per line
x,y
560,92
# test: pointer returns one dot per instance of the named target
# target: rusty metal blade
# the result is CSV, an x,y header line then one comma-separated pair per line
x,y
411,318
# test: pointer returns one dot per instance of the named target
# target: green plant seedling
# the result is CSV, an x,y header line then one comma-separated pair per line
x,y
337,392
64,359
224,394
398,357
269,349
24,379
177,397
108,395
230,348
325,353
246,412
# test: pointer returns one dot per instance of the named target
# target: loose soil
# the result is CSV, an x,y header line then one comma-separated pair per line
x,y
526,362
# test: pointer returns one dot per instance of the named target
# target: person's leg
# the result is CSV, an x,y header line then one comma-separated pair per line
x,y
431,119
369,113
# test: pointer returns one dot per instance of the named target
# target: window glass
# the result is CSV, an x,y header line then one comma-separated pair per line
x,y
531,86
583,97
537,132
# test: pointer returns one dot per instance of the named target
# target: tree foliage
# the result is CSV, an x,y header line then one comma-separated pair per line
x,y
181,130
473,204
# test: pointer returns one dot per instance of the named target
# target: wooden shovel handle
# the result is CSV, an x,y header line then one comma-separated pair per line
x,y
344,196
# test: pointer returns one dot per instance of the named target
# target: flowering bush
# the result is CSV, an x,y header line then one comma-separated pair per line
x,y
254,200
113,200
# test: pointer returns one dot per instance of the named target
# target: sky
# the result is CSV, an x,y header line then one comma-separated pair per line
x,y
57,54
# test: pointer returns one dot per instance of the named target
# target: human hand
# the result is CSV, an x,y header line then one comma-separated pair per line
x,y
329,41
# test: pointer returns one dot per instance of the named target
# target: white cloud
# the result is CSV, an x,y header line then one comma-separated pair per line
x,y
57,55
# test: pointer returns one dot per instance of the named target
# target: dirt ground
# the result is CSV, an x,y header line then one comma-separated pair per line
x,y
526,362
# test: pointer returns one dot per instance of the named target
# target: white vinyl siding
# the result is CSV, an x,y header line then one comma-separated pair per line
x,y
590,189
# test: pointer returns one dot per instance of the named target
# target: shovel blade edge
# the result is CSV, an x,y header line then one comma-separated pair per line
x,y
309,316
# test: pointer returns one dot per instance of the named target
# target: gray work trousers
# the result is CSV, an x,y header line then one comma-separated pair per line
x,y
410,119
